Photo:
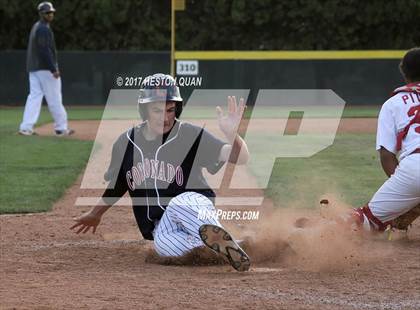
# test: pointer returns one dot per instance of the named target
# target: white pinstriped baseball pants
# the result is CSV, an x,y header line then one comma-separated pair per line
x,y
43,83
177,231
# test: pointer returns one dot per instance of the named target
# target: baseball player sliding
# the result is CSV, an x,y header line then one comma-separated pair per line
x,y
160,164
398,133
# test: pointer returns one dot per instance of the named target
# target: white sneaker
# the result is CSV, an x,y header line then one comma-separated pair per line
x,y
67,132
220,241
26,132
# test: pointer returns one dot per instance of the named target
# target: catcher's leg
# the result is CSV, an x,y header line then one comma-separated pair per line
x,y
397,196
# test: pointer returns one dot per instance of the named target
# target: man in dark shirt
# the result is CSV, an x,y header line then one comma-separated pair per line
x,y
44,76
160,162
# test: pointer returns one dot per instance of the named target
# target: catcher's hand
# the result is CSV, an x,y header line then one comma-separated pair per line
x,y
85,222
404,221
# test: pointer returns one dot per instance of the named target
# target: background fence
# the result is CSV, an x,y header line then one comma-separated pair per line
x,y
88,76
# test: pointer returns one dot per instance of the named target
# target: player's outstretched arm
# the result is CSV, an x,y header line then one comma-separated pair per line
x,y
236,151
90,219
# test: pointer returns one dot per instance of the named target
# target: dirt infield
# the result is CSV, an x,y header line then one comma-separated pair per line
x,y
46,266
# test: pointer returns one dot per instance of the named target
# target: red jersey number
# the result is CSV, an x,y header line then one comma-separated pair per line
x,y
416,120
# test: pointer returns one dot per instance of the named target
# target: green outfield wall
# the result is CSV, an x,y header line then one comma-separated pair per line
x,y
359,77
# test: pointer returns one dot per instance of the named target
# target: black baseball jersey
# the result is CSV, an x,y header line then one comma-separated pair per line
x,y
153,172
41,53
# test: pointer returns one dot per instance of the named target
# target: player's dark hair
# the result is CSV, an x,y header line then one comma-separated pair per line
x,y
410,65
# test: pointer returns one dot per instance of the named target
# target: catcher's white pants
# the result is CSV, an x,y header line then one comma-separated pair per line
x,y
43,83
400,193
177,231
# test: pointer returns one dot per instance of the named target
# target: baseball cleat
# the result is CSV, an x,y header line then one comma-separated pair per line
x,y
220,241
26,132
61,133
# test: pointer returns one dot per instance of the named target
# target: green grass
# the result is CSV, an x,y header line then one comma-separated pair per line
x,y
361,111
269,112
35,171
349,169
314,112
10,117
